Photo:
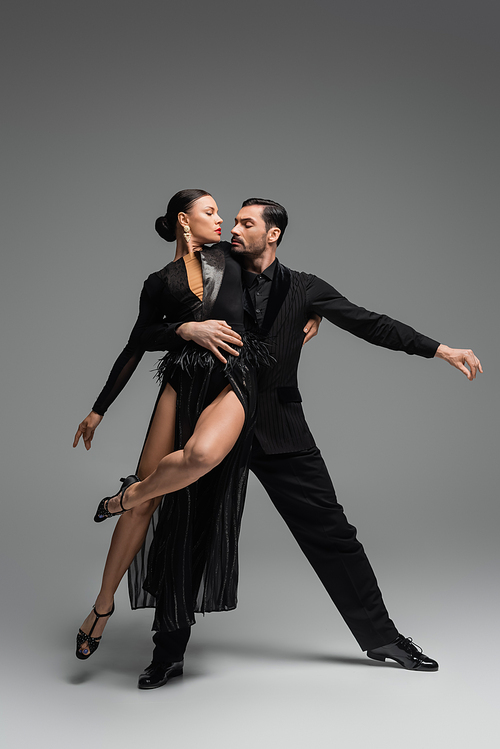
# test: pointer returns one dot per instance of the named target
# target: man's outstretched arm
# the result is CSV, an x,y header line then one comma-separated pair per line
x,y
382,330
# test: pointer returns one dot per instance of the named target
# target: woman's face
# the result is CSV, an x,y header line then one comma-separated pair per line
x,y
203,220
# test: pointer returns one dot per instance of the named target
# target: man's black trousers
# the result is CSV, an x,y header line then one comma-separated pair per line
x,y
301,489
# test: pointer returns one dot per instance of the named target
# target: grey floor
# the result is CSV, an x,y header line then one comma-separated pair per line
x,y
280,671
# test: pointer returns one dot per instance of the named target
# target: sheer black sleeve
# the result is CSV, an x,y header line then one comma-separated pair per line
x,y
380,330
150,333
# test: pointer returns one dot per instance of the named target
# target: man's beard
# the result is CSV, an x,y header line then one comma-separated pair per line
x,y
253,250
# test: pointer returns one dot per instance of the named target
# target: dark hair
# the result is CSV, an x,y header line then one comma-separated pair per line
x,y
181,202
273,214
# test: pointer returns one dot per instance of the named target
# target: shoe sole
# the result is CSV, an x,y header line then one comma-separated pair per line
x,y
162,683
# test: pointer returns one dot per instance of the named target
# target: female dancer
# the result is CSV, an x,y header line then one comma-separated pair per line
x,y
182,548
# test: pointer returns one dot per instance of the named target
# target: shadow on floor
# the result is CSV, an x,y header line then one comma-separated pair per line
x,y
127,651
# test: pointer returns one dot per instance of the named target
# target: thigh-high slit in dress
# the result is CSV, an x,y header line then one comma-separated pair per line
x,y
189,560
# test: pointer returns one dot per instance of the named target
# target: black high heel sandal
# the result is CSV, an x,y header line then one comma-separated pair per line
x,y
92,642
102,509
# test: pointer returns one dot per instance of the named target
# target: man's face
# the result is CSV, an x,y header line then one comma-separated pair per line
x,y
249,232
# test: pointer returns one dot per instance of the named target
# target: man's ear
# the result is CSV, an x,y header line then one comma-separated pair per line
x,y
273,235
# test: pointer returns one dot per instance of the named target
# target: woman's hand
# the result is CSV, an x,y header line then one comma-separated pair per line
x,y
86,430
312,328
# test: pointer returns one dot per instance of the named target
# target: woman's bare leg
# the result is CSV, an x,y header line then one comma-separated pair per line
x,y
131,528
215,434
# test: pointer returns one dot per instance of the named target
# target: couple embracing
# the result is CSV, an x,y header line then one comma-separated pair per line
x,y
232,320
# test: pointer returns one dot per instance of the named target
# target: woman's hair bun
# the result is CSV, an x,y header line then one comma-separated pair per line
x,y
164,229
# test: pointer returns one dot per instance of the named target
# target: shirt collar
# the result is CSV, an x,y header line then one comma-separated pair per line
x,y
250,278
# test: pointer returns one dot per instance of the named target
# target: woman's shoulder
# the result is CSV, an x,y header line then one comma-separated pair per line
x,y
154,281
160,276
224,246
220,247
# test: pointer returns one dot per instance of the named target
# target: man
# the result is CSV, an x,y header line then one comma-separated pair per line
x,y
284,456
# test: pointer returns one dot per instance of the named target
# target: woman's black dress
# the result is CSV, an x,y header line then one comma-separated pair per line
x,y
189,560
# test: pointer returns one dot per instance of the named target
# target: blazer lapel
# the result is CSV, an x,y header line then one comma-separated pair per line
x,y
280,286
174,275
212,268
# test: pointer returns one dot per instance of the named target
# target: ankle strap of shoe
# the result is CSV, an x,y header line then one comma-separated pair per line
x,y
100,616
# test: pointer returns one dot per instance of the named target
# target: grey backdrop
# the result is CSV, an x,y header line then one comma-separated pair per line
x,y
375,122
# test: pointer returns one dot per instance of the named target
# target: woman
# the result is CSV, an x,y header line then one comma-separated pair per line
x,y
182,548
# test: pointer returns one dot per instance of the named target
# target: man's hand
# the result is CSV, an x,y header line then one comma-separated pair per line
x,y
459,357
87,428
312,328
213,335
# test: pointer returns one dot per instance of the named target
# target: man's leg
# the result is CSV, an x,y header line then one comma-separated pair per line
x,y
170,646
168,658
301,489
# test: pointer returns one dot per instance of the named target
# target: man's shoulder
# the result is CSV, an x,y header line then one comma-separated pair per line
x,y
298,275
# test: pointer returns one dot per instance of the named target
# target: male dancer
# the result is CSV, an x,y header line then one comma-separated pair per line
x,y
284,457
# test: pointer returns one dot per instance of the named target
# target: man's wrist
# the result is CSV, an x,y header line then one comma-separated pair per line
x,y
442,351
184,331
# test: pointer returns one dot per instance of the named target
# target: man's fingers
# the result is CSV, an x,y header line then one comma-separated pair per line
x,y
464,369
472,369
473,363
228,331
228,348
463,359
477,365
231,339
225,325
215,348
218,354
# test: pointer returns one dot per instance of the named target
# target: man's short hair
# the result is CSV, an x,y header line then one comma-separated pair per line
x,y
273,214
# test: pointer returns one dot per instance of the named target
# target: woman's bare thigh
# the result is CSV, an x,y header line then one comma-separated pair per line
x,y
218,427
161,438
208,410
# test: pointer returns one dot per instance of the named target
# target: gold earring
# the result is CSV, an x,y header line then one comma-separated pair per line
x,y
187,234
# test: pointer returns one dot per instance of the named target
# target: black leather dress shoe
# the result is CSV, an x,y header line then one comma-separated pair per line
x,y
404,651
157,674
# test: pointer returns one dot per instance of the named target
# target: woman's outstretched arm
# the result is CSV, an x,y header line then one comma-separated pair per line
x,y
149,319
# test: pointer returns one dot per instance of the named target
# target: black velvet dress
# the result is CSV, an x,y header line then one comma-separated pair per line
x,y
189,560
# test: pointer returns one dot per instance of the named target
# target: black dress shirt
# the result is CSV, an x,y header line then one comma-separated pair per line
x,y
259,288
